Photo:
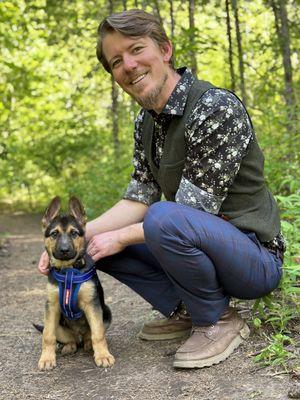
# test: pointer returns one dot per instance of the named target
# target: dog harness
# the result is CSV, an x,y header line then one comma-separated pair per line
x,y
69,281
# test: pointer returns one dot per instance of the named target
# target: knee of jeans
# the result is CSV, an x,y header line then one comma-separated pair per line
x,y
157,217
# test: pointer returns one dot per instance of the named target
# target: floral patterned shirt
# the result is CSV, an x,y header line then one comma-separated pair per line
x,y
217,136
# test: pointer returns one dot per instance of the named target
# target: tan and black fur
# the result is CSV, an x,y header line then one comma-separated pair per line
x,y
65,244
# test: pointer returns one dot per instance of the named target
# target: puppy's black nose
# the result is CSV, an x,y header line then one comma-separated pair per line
x,y
65,250
64,253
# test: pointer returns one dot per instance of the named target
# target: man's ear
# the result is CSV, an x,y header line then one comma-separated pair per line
x,y
167,50
77,210
51,211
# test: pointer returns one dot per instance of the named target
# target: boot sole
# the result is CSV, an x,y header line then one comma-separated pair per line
x,y
164,336
244,334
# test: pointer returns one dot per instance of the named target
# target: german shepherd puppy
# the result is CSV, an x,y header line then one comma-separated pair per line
x,y
66,246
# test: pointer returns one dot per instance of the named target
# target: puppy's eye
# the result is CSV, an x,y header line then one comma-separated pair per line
x,y
74,234
54,234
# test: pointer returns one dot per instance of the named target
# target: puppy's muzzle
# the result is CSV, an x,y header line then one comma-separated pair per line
x,y
64,249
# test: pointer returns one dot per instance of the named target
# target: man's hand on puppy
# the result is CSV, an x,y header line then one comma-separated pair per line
x,y
101,245
105,244
112,242
43,265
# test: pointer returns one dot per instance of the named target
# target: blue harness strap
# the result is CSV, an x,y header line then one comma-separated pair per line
x,y
69,281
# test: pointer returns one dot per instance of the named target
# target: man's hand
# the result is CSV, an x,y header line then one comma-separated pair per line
x,y
112,242
105,244
43,265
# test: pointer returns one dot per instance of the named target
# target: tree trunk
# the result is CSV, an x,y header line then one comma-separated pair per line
x,y
192,36
157,11
172,18
276,16
114,104
286,55
114,110
240,50
230,52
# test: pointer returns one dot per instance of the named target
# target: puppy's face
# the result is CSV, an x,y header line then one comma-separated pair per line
x,y
64,233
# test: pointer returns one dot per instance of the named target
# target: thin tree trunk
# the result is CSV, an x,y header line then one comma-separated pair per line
x,y
192,36
114,110
281,27
114,104
230,52
240,50
124,2
172,19
286,55
172,30
157,11
276,16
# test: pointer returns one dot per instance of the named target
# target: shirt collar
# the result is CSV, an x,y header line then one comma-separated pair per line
x,y
177,101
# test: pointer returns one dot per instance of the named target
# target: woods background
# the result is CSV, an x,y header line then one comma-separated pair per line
x,y
65,128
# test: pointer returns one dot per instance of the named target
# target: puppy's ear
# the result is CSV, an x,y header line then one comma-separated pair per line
x,y
51,211
77,210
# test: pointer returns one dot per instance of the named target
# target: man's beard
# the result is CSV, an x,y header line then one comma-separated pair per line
x,y
151,100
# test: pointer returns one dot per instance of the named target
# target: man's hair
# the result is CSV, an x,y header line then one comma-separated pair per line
x,y
133,23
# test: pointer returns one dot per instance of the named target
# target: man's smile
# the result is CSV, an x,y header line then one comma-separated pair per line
x,y
138,78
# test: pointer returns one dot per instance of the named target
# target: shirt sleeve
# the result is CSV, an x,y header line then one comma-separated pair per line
x,y
142,187
217,138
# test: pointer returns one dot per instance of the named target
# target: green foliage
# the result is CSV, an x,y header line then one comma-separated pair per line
x,y
55,125
54,115
281,307
276,353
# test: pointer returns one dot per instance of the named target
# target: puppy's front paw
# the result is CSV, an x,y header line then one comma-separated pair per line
x,y
69,348
104,360
47,362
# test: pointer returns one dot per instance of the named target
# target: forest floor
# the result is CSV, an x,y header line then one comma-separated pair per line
x,y
143,370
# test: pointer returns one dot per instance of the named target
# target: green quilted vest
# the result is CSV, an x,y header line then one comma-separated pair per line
x,y
249,205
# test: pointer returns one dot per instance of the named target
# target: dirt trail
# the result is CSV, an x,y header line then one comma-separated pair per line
x,y
143,370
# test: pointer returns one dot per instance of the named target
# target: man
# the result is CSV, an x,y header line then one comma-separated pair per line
x,y
218,235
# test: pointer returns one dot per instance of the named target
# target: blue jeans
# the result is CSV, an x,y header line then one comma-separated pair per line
x,y
197,258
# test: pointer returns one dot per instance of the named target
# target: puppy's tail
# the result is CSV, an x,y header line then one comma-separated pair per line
x,y
39,328
107,316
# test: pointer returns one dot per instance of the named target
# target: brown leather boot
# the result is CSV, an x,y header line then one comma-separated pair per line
x,y
209,345
177,326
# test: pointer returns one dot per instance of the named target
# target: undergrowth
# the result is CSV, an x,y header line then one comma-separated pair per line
x,y
281,309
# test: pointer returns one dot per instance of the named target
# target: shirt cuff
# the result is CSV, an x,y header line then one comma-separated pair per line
x,y
193,196
147,193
